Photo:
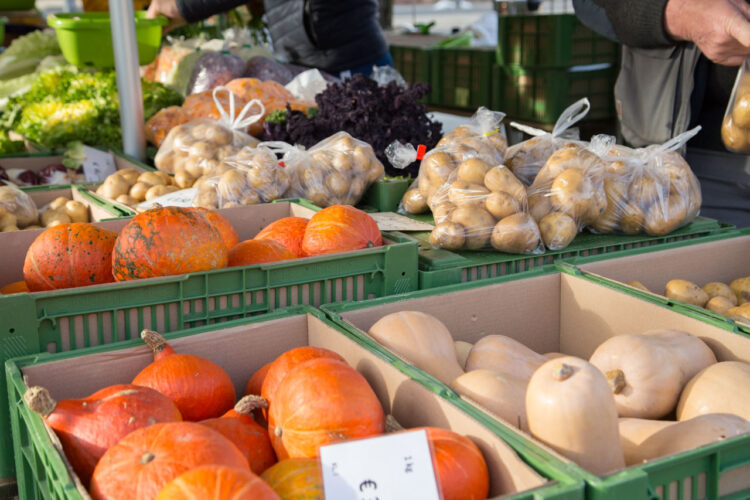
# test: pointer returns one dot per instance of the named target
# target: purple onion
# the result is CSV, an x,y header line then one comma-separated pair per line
x,y
54,174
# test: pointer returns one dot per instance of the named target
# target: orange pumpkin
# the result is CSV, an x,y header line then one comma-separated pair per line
x,y
296,479
285,363
255,384
69,255
144,461
217,482
320,402
166,241
251,252
238,426
228,232
340,228
15,287
288,231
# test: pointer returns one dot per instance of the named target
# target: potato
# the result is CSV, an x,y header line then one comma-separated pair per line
x,y
58,202
437,166
539,205
361,157
341,161
739,313
77,211
225,152
427,186
193,166
232,186
741,111
258,177
250,198
318,195
33,226
597,207
165,161
8,219
741,288
472,171
113,187
441,211
517,233
151,178
448,235
734,137
337,183
659,221
207,198
218,135
464,194
631,220
356,188
156,191
608,221
202,149
414,202
686,291
718,289
183,179
375,171
343,143
501,178
126,199
55,218
501,205
638,285
499,142
9,229
477,224
138,191
130,175
571,193
646,190
720,304
557,230
312,175
480,146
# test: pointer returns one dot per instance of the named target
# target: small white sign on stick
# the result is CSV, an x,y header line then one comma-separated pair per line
x,y
98,165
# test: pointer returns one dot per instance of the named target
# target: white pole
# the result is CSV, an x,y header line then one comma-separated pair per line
x,y
129,90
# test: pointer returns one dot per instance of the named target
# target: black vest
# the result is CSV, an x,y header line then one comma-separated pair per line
x,y
333,35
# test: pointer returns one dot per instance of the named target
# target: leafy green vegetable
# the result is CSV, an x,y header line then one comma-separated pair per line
x,y
26,52
21,84
8,146
74,155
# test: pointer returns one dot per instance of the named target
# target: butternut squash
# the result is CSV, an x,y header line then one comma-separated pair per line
x,y
647,372
462,351
689,434
634,431
570,407
721,388
501,393
503,354
421,339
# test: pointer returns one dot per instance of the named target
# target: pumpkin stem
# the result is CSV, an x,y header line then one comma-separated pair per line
x,y
39,400
392,425
146,458
562,372
154,340
250,403
616,380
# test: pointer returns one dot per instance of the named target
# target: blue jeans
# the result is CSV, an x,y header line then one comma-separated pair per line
x,y
366,69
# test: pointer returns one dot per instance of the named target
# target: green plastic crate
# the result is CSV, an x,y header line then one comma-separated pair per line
x,y
439,267
72,319
540,95
462,78
678,476
9,5
412,62
385,195
551,40
42,472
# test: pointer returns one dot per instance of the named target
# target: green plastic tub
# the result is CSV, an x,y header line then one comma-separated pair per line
x,y
86,38
42,472
554,311
8,5
439,267
385,195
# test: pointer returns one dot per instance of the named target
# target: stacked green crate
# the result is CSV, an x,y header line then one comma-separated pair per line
x,y
462,77
413,62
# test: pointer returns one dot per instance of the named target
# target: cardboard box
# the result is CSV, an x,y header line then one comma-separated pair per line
x,y
569,314
241,349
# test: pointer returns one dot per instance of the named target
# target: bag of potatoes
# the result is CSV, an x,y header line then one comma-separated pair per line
x,y
336,171
484,138
735,128
249,177
483,206
526,158
196,148
651,190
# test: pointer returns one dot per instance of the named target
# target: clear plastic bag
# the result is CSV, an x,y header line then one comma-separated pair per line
x,y
159,125
214,69
526,158
336,171
17,209
735,129
483,139
198,147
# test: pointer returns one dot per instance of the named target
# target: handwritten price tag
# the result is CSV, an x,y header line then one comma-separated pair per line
x,y
389,221
98,165
393,467
181,198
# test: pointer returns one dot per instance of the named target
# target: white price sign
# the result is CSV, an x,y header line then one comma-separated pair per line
x,y
389,221
181,198
393,467
98,165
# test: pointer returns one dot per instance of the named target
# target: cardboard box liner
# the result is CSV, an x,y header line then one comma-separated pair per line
x,y
569,314
242,349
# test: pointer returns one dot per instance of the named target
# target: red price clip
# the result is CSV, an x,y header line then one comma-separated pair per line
x,y
282,164
421,150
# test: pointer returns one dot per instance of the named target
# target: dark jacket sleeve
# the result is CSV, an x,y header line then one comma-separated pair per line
x,y
197,10
638,23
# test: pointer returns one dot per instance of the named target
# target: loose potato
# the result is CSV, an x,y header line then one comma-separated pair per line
x,y
414,202
739,313
517,233
720,304
126,199
638,285
472,171
501,205
58,202
477,224
183,179
557,230
501,178
54,218
571,193
138,191
461,194
129,174
9,229
151,178
33,226
113,187
631,220
448,235
718,289
77,211
8,219
741,288
686,291
661,219
741,111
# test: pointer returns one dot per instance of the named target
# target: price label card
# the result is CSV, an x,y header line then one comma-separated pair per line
x,y
392,467
389,221
181,198
98,165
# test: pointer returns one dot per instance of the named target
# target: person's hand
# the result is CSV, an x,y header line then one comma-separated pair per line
x,y
169,9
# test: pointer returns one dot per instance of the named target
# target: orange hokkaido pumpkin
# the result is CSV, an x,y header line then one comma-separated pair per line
x,y
200,388
144,461
219,483
288,231
255,384
15,287
166,241
251,439
296,479
89,426
69,255
320,402
285,363
227,230
251,252
340,228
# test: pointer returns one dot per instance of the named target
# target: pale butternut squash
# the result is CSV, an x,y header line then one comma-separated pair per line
x,y
721,388
421,339
570,407
647,372
504,354
501,393
688,435
634,431
462,351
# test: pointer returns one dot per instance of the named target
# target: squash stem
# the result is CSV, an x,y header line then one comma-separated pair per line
x,y
154,340
40,401
250,403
